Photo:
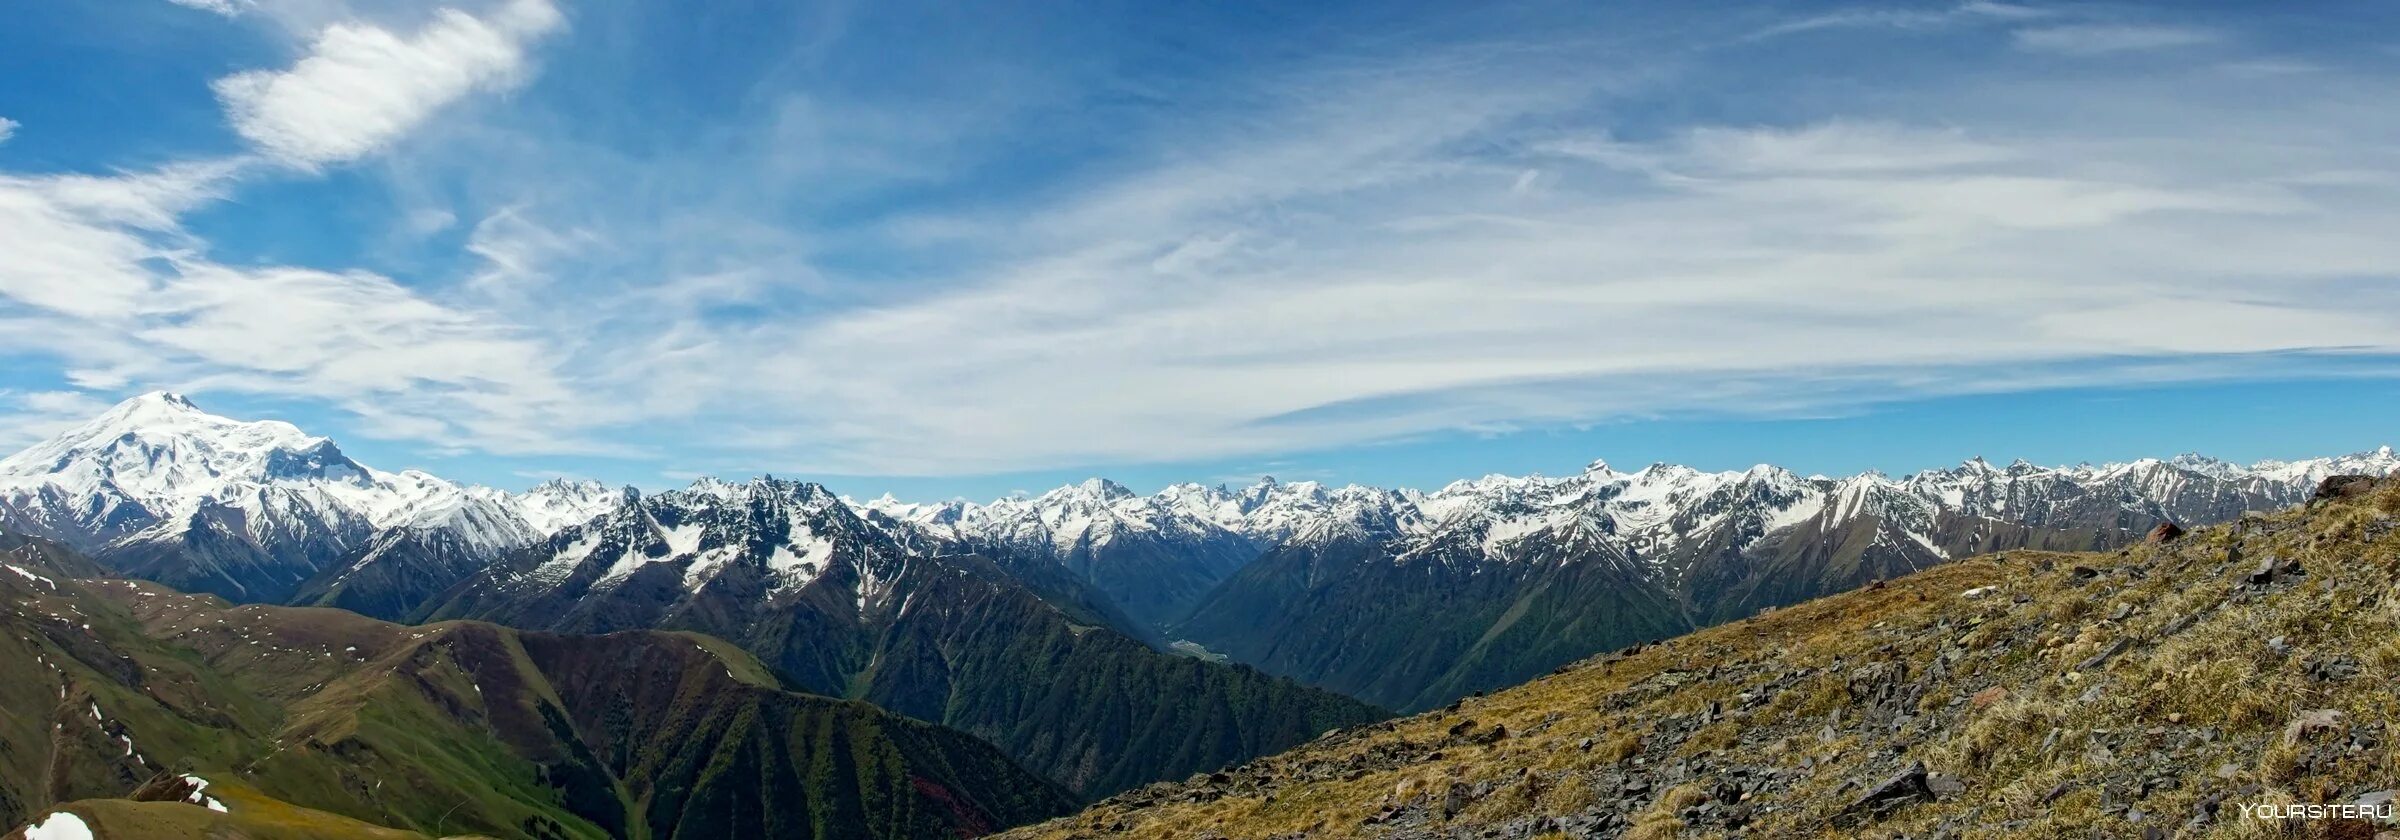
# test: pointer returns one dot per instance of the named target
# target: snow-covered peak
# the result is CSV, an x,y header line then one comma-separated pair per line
x,y
147,466
2204,465
2378,461
785,532
554,505
1105,490
160,449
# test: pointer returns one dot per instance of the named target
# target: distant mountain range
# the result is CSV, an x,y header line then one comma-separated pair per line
x,y
1410,599
1079,630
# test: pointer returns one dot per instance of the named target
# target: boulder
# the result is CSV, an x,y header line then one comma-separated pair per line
x,y
2310,723
2164,533
1904,788
2343,487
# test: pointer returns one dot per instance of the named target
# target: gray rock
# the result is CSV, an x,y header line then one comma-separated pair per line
x,y
2264,574
1454,800
1908,786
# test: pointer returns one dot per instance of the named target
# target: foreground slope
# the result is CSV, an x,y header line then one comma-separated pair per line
x,y
459,727
180,807
2151,692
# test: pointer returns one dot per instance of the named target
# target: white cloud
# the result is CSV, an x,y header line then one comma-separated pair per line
x,y
8,129
2105,38
361,86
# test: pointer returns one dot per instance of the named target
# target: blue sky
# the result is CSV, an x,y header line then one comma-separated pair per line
x,y
965,249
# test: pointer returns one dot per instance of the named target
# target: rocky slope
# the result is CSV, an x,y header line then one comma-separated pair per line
x,y
309,717
2171,689
863,606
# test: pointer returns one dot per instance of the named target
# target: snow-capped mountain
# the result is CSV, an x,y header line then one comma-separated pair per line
x,y
651,556
1652,512
247,509
1153,555
1409,598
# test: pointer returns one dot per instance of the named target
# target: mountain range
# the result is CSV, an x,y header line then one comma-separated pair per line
x,y
2227,682
1499,579
1099,638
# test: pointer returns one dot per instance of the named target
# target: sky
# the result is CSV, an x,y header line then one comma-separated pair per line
x,y
972,249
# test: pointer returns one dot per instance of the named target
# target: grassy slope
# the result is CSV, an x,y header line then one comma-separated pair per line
x,y
1816,703
462,726
1094,709
249,815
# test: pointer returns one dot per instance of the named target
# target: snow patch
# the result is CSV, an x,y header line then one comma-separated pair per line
x,y
59,826
199,795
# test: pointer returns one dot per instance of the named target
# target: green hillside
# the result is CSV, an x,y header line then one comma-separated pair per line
x,y
459,728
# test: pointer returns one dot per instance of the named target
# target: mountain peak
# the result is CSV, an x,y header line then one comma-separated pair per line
x,y
1106,489
157,409
164,398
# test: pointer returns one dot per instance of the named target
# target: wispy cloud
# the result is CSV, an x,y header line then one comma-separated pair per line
x,y
29,416
228,8
1377,279
1911,18
2106,38
131,297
